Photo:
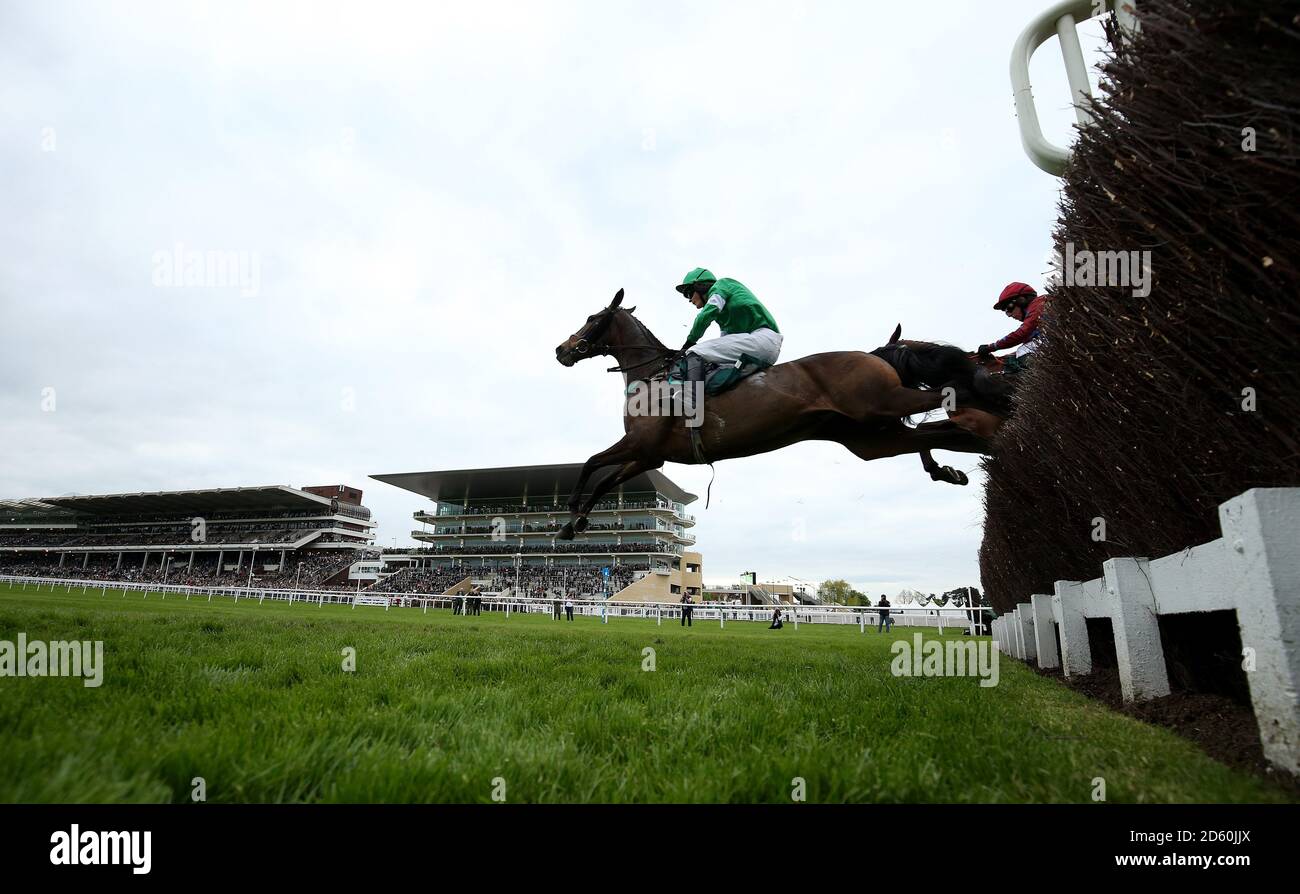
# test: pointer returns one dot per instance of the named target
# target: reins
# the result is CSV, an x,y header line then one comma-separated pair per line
x,y
660,353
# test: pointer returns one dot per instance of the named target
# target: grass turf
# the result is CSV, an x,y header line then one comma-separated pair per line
x,y
254,699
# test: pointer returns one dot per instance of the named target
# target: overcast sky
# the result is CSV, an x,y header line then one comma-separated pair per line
x,y
429,198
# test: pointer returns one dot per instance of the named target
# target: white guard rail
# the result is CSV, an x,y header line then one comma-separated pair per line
x,y
1253,570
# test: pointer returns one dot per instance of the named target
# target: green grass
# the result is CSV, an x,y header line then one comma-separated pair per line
x,y
253,698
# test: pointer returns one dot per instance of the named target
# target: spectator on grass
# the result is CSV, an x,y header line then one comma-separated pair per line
x,y
886,622
776,620
568,608
688,611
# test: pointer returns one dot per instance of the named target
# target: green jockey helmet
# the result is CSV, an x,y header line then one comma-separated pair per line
x,y
698,275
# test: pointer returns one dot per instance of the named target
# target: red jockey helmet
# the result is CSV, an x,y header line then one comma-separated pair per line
x,y
1012,292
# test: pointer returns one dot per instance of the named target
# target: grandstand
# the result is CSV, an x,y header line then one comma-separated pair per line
x,y
274,536
497,527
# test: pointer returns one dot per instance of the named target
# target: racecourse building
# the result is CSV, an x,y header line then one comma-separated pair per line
x,y
499,528
275,535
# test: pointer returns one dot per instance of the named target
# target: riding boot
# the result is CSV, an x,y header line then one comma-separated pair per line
x,y
695,366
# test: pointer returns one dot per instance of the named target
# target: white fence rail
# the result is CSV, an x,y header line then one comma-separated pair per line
x,y
1254,570
954,619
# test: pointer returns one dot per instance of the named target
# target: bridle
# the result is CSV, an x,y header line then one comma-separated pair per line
x,y
660,354
594,330
597,328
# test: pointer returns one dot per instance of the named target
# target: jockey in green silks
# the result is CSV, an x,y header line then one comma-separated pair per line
x,y
747,326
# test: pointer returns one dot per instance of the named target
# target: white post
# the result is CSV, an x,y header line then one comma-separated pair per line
x,y
1259,530
1044,630
1076,650
1025,616
1138,651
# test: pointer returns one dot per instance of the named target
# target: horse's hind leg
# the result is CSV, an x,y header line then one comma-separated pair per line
x,y
869,445
942,473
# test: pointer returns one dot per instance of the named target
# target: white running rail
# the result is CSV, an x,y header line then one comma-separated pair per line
x,y
968,620
1061,20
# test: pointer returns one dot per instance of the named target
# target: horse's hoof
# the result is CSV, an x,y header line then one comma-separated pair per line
x,y
949,475
954,476
581,524
566,533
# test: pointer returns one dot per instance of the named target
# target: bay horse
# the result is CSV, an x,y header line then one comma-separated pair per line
x,y
853,398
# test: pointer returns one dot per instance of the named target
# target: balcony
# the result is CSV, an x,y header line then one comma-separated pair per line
x,y
515,509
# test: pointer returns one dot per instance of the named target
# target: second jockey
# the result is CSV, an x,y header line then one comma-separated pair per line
x,y
1020,302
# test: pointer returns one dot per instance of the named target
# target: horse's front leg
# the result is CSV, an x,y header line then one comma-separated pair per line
x,y
626,472
615,455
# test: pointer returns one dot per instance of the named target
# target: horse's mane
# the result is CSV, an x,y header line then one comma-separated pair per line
x,y
644,329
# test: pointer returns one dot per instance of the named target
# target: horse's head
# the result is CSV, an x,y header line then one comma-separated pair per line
x,y
592,339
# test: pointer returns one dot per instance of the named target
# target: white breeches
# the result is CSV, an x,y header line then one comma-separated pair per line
x,y
762,344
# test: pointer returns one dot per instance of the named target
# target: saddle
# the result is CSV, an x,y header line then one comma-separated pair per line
x,y
720,377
